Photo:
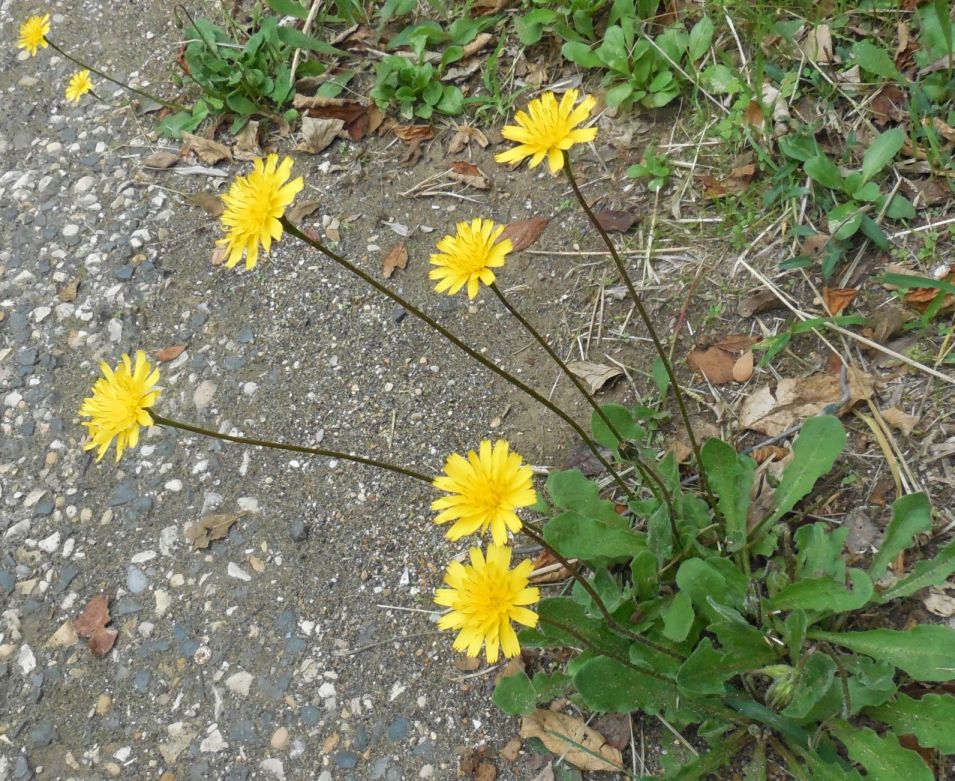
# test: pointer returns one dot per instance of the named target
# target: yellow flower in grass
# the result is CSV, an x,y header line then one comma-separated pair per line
x,y
547,129
33,33
484,597
118,406
468,257
253,207
484,491
79,85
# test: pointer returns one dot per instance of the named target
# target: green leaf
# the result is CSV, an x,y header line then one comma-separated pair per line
x,y
547,686
925,574
883,757
678,617
881,152
701,36
730,474
643,570
815,450
820,551
571,490
716,579
867,193
299,40
720,79
706,764
926,653
530,27
824,594
576,630
289,8
812,683
706,670
795,632
241,104
593,539
875,60
912,281
181,122
822,170
844,220
822,770
581,54
931,719
515,694
911,515
452,101
623,423
617,95
608,686
900,208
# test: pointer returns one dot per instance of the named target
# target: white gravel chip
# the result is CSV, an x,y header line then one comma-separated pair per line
x,y
203,394
213,741
240,683
274,767
235,571
26,661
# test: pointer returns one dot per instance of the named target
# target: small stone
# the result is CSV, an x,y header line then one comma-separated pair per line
x,y
235,571
124,273
279,739
398,729
64,636
49,544
203,394
122,494
427,771
240,683
136,580
103,704
346,759
298,530
26,660
213,742
273,767
326,690
84,184
162,602
248,504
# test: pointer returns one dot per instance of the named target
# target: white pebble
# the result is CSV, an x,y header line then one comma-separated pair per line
x,y
235,571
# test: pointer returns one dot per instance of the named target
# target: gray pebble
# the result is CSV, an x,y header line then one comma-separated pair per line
x,y
41,735
67,575
44,506
142,679
298,529
310,714
125,606
136,580
378,768
122,494
7,581
124,273
346,759
398,730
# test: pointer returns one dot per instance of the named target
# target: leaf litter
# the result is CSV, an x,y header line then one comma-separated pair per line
x,y
572,739
92,624
209,528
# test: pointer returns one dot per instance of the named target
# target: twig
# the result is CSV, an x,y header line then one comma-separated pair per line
x,y
312,13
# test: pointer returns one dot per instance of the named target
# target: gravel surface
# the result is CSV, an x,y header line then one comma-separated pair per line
x,y
303,645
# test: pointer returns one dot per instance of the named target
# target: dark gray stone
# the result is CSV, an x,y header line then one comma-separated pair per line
x,y
425,749
298,530
361,741
198,771
245,336
7,581
41,735
27,356
233,362
378,768
243,731
124,273
122,494
311,715
141,680
44,506
67,574
346,759
398,729
125,606
240,773
22,769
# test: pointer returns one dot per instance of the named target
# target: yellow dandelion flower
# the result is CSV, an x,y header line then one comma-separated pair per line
x,y
253,207
485,490
484,598
33,33
118,406
547,129
468,257
79,85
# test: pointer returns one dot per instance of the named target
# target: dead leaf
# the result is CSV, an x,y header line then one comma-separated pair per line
x,y
318,133
302,209
774,452
103,640
479,42
485,772
68,292
889,105
753,114
863,533
547,774
718,362
161,160
743,368
92,624
468,174
523,233
572,739
596,375
681,446
886,322
169,353
615,727
212,527
396,258
925,192
463,136
207,150
219,255
814,246
817,45
796,398
757,302
512,749
465,663
411,134
246,145
736,182
939,603
943,128
210,203
615,220
901,420
837,299
472,760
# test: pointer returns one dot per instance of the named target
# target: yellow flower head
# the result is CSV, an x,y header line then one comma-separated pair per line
x,y
33,33
468,257
80,84
548,129
253,207
118,406
485,490
484,598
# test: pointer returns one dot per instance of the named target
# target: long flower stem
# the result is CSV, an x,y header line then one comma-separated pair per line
x,y
486,363
648,324
537,536
642,466
312,451
136,90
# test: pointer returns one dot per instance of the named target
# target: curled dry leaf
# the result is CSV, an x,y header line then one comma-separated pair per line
x,y
523,233
212,527
396,258
512,749
596,375
736,182
886,322
169,353
726,360
889,105
302,209
479,42
92,624
210,203
246,145
463,137
318,133
411,134
939,603
900,420
161,160
206,149
837,299
817,45
468,174
69,290
757,302
771,412
615,220
570,738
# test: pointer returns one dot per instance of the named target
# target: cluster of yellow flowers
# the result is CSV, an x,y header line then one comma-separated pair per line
x,y
484,490
32,36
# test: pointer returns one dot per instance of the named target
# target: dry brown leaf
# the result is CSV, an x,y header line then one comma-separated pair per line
x,y
463,136
886,322
757,302
889,105
939,603
485,772
796,398
411,134
681,446
718,362
479,42
246,145
396,258
318,133
596,375
615,220
468,174
94,616
169,353
744,366
814,246
943,128
523,233
837,299
302,209
486,7
210,203
206,149
512,749
547,774
615,727
736,182
212,527
219,255
901,420
103,640
69,290
465,663
817,45
775,452
925,192
572,739
753,114
161,160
